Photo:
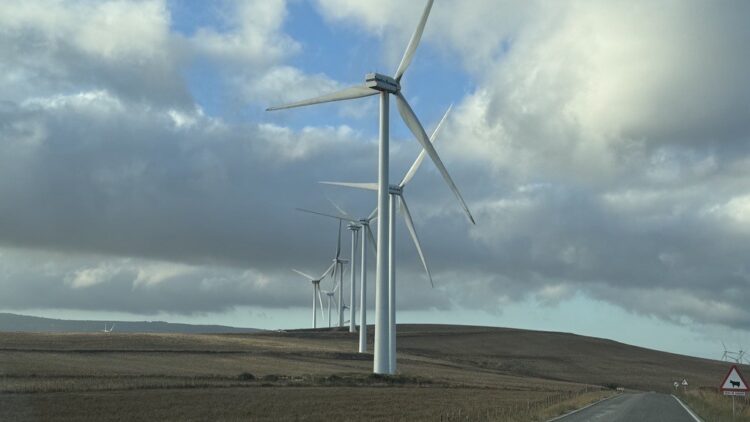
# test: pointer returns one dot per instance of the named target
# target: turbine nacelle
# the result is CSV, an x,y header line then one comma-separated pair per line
x,y
395,190
382,83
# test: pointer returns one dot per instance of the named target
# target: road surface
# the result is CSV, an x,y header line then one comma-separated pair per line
x,y
641,407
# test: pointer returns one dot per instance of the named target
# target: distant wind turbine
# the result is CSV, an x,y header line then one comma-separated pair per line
x,y
338,270
316,291
330,294
367,237
385,86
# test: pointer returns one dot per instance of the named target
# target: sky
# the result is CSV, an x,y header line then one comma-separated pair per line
x,y
602,147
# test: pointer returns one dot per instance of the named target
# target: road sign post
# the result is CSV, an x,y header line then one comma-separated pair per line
x,y
734,385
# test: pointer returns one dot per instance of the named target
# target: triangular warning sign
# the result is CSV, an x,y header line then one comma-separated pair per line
x,y
734,381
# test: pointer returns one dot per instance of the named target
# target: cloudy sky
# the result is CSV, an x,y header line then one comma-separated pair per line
x,y
603,148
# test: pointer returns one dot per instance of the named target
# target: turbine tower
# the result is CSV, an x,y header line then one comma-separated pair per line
x,y
316,291
385,86
397,196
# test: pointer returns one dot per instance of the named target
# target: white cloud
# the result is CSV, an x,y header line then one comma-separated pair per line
x,y
112,30
285,84
254,36
98,101
87,277
154,273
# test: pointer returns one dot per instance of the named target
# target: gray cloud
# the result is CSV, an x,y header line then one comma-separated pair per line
x,y
595,158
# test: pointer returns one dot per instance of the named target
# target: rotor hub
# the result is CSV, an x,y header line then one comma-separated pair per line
x,y
382,83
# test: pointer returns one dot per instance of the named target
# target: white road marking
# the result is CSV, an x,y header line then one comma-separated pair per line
x,y
687,409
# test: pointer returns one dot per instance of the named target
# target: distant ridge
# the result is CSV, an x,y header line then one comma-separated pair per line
x,y
14,322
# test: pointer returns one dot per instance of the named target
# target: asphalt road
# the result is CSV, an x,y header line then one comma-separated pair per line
x,y
642,407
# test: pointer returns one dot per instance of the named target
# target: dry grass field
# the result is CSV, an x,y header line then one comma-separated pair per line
x,y
445,373
713,406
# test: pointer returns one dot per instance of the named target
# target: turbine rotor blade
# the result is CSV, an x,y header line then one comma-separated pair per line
x,y
418,162
413,43
413,233
338,208
356,91
416,128
338,242
338,217
365,186
320,300
372,240
327,271
373,214
308,276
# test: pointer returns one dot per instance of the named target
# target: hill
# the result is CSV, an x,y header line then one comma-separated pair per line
x,y
451,372
13,322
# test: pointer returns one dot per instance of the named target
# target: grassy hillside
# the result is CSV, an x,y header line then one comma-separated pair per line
x,y
453,372
559,356
25,323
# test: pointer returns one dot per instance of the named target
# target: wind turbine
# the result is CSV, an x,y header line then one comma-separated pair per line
x,y
353,227
397,195
385,86
338,269
330,294
740,355
737,357
367,237
105,330
316,291
725,356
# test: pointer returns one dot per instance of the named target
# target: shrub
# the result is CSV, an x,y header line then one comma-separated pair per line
x,y
246,376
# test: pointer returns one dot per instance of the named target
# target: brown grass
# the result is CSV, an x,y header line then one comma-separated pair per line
x,y
289,403
712,406
445,373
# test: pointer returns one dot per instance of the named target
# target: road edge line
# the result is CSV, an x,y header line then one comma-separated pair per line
x,y
687,409
584,408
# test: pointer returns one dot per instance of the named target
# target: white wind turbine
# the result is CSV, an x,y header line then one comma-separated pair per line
x,y
353,227
105,330
316,291
338,269
364,224
397,194
726,355
329,294
385,86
